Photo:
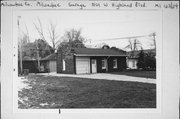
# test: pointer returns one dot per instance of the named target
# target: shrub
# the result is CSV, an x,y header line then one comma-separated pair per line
x,y
146,61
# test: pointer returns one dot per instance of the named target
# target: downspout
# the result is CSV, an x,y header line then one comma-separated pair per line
x,y
107,64
74,60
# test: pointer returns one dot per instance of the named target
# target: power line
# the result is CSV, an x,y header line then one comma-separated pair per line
x,y
124,38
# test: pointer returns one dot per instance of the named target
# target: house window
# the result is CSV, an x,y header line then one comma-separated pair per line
x,y
104,64
115,63
64,65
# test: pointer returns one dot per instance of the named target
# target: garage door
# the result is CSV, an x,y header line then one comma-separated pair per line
x,y
82,66
52,66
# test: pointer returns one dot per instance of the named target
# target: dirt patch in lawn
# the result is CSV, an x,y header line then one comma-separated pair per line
x,y
69,92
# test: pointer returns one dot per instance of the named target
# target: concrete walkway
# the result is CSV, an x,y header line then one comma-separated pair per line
x,y
105,76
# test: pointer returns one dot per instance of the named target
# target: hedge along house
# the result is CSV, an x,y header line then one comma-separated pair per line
x,y
89,60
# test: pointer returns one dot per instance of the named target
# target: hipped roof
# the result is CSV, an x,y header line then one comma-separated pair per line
x,y
98,52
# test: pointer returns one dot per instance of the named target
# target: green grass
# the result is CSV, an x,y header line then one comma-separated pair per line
x,y
138,73
70,92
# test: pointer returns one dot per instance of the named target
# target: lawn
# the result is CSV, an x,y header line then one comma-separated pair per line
x,y
69,92
138,73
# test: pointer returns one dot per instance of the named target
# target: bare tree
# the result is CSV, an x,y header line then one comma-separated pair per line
x,y
153,35
27,33
40,31
37,51
133,45
136,45
54,36
130,45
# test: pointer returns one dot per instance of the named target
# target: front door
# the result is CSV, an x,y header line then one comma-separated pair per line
x,y
94,65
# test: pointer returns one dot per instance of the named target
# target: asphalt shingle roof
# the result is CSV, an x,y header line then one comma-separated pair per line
x,y
27,58
50,57
98,52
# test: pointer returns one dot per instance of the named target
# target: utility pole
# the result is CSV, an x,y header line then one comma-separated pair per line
x,y
154,39
21,64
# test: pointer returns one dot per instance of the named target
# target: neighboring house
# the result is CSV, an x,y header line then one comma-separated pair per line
x,y
48,64
132,58
28,63
132,63
91,60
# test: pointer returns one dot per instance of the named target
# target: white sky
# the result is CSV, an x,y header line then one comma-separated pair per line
x,y
96,25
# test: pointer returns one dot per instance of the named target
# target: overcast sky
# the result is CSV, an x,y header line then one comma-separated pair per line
x,y
96,25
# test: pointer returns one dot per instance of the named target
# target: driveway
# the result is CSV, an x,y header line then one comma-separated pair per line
x,y
105,76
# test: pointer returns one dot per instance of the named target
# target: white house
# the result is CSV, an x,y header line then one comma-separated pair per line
x,y
132,58
132,63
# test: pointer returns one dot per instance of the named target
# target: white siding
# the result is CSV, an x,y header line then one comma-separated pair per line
x,y
132,63
64,65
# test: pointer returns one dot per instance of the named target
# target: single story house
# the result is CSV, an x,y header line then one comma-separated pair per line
x,y
48,63
91,60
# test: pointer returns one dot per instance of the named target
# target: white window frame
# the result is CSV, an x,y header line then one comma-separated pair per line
x,y
105,63
115,60
64,65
